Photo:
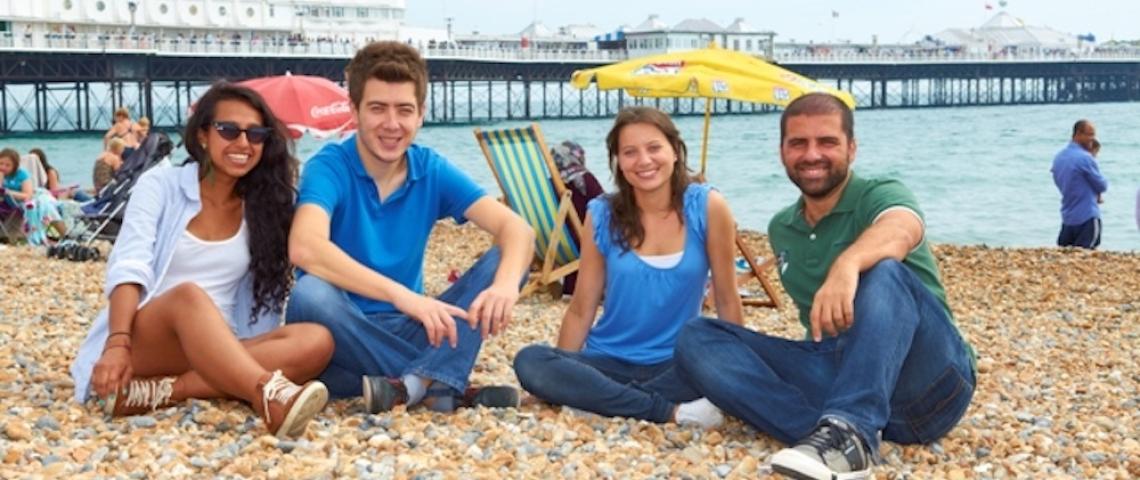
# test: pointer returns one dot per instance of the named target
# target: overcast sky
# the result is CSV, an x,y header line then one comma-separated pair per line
x,y
857,20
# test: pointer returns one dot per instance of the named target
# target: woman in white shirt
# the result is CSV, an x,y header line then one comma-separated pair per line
x,y
198,278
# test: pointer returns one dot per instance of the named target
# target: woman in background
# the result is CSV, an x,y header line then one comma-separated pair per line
x,y
53,184
41,210
570,159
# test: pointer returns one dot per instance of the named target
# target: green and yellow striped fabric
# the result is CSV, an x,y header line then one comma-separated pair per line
x,y
522,170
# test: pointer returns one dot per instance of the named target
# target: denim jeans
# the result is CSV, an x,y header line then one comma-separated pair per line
x,y
390,344
901,369
603,385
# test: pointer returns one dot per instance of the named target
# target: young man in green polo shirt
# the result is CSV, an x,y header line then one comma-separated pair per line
x,y
884,357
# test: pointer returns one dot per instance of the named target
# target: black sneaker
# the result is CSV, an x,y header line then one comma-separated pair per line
x,y
492,396
833,451
383,393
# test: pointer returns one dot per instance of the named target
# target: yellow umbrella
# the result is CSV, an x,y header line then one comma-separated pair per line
x,y
708,73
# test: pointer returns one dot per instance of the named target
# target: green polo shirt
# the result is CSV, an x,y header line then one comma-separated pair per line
x,y
805,253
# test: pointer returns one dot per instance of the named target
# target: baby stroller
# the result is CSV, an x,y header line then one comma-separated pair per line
x,y
102,216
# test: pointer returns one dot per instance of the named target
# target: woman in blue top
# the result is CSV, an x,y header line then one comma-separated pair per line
x,y
648,248
40,208
197,280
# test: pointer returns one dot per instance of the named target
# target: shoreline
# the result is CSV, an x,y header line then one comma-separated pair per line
x,y
1057,334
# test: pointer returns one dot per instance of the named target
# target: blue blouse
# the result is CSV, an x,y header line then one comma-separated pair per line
x,y
645,306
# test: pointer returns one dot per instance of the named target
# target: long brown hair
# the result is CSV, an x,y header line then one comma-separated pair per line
x,y
268,193
625,221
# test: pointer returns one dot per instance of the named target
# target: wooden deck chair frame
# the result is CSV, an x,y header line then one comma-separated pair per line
x,y
547,251
757,272
754,272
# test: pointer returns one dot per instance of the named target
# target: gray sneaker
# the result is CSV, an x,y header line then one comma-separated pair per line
x,y
383,393
833,451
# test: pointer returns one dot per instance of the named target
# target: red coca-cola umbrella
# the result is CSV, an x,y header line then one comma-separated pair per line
x,y
306,103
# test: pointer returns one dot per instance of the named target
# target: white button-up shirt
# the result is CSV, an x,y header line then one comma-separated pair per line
x,y
162,203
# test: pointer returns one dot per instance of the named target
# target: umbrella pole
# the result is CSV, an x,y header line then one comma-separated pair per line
x,y
705,142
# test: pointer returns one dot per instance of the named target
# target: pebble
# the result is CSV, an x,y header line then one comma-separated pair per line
x,y
46,422
143,421
16,430
1056,395
1096,458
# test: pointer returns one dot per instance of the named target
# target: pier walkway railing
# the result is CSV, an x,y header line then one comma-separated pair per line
x,y
275,46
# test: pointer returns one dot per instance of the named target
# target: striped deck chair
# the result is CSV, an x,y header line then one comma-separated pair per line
x,y
532,188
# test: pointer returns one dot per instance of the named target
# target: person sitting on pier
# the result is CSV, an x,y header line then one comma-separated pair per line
x,y
197,279
853,256
570,158
646,254
123,128
107,164
40,208
367,205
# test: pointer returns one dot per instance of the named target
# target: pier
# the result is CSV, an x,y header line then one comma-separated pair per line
x,y
73,85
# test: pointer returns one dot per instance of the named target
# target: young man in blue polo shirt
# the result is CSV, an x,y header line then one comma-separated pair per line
x,y
1077,176
853,256
366,208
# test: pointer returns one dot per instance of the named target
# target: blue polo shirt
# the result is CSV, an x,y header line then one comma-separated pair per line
x,y
390,236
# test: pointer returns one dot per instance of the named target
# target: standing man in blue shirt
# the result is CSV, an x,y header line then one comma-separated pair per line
x,y
1077,176
365,210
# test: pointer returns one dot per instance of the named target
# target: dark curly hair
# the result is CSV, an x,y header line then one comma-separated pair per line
x,y
268,192
625,222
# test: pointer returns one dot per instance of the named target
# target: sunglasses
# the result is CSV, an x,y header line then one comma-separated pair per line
x,y
230,131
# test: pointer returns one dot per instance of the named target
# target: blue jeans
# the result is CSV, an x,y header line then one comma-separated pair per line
x,y
603,385
390,344
902,369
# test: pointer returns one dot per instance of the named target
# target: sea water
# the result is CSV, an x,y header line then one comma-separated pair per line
x,y
981,174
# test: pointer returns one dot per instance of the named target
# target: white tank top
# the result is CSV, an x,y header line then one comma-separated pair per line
x,y
662,262
215,266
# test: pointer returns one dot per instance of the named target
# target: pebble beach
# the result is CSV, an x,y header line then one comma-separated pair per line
x,y
1057,334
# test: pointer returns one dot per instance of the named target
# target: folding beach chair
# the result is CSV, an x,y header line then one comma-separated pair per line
x,y
11,221
531,186
752,270
31,164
